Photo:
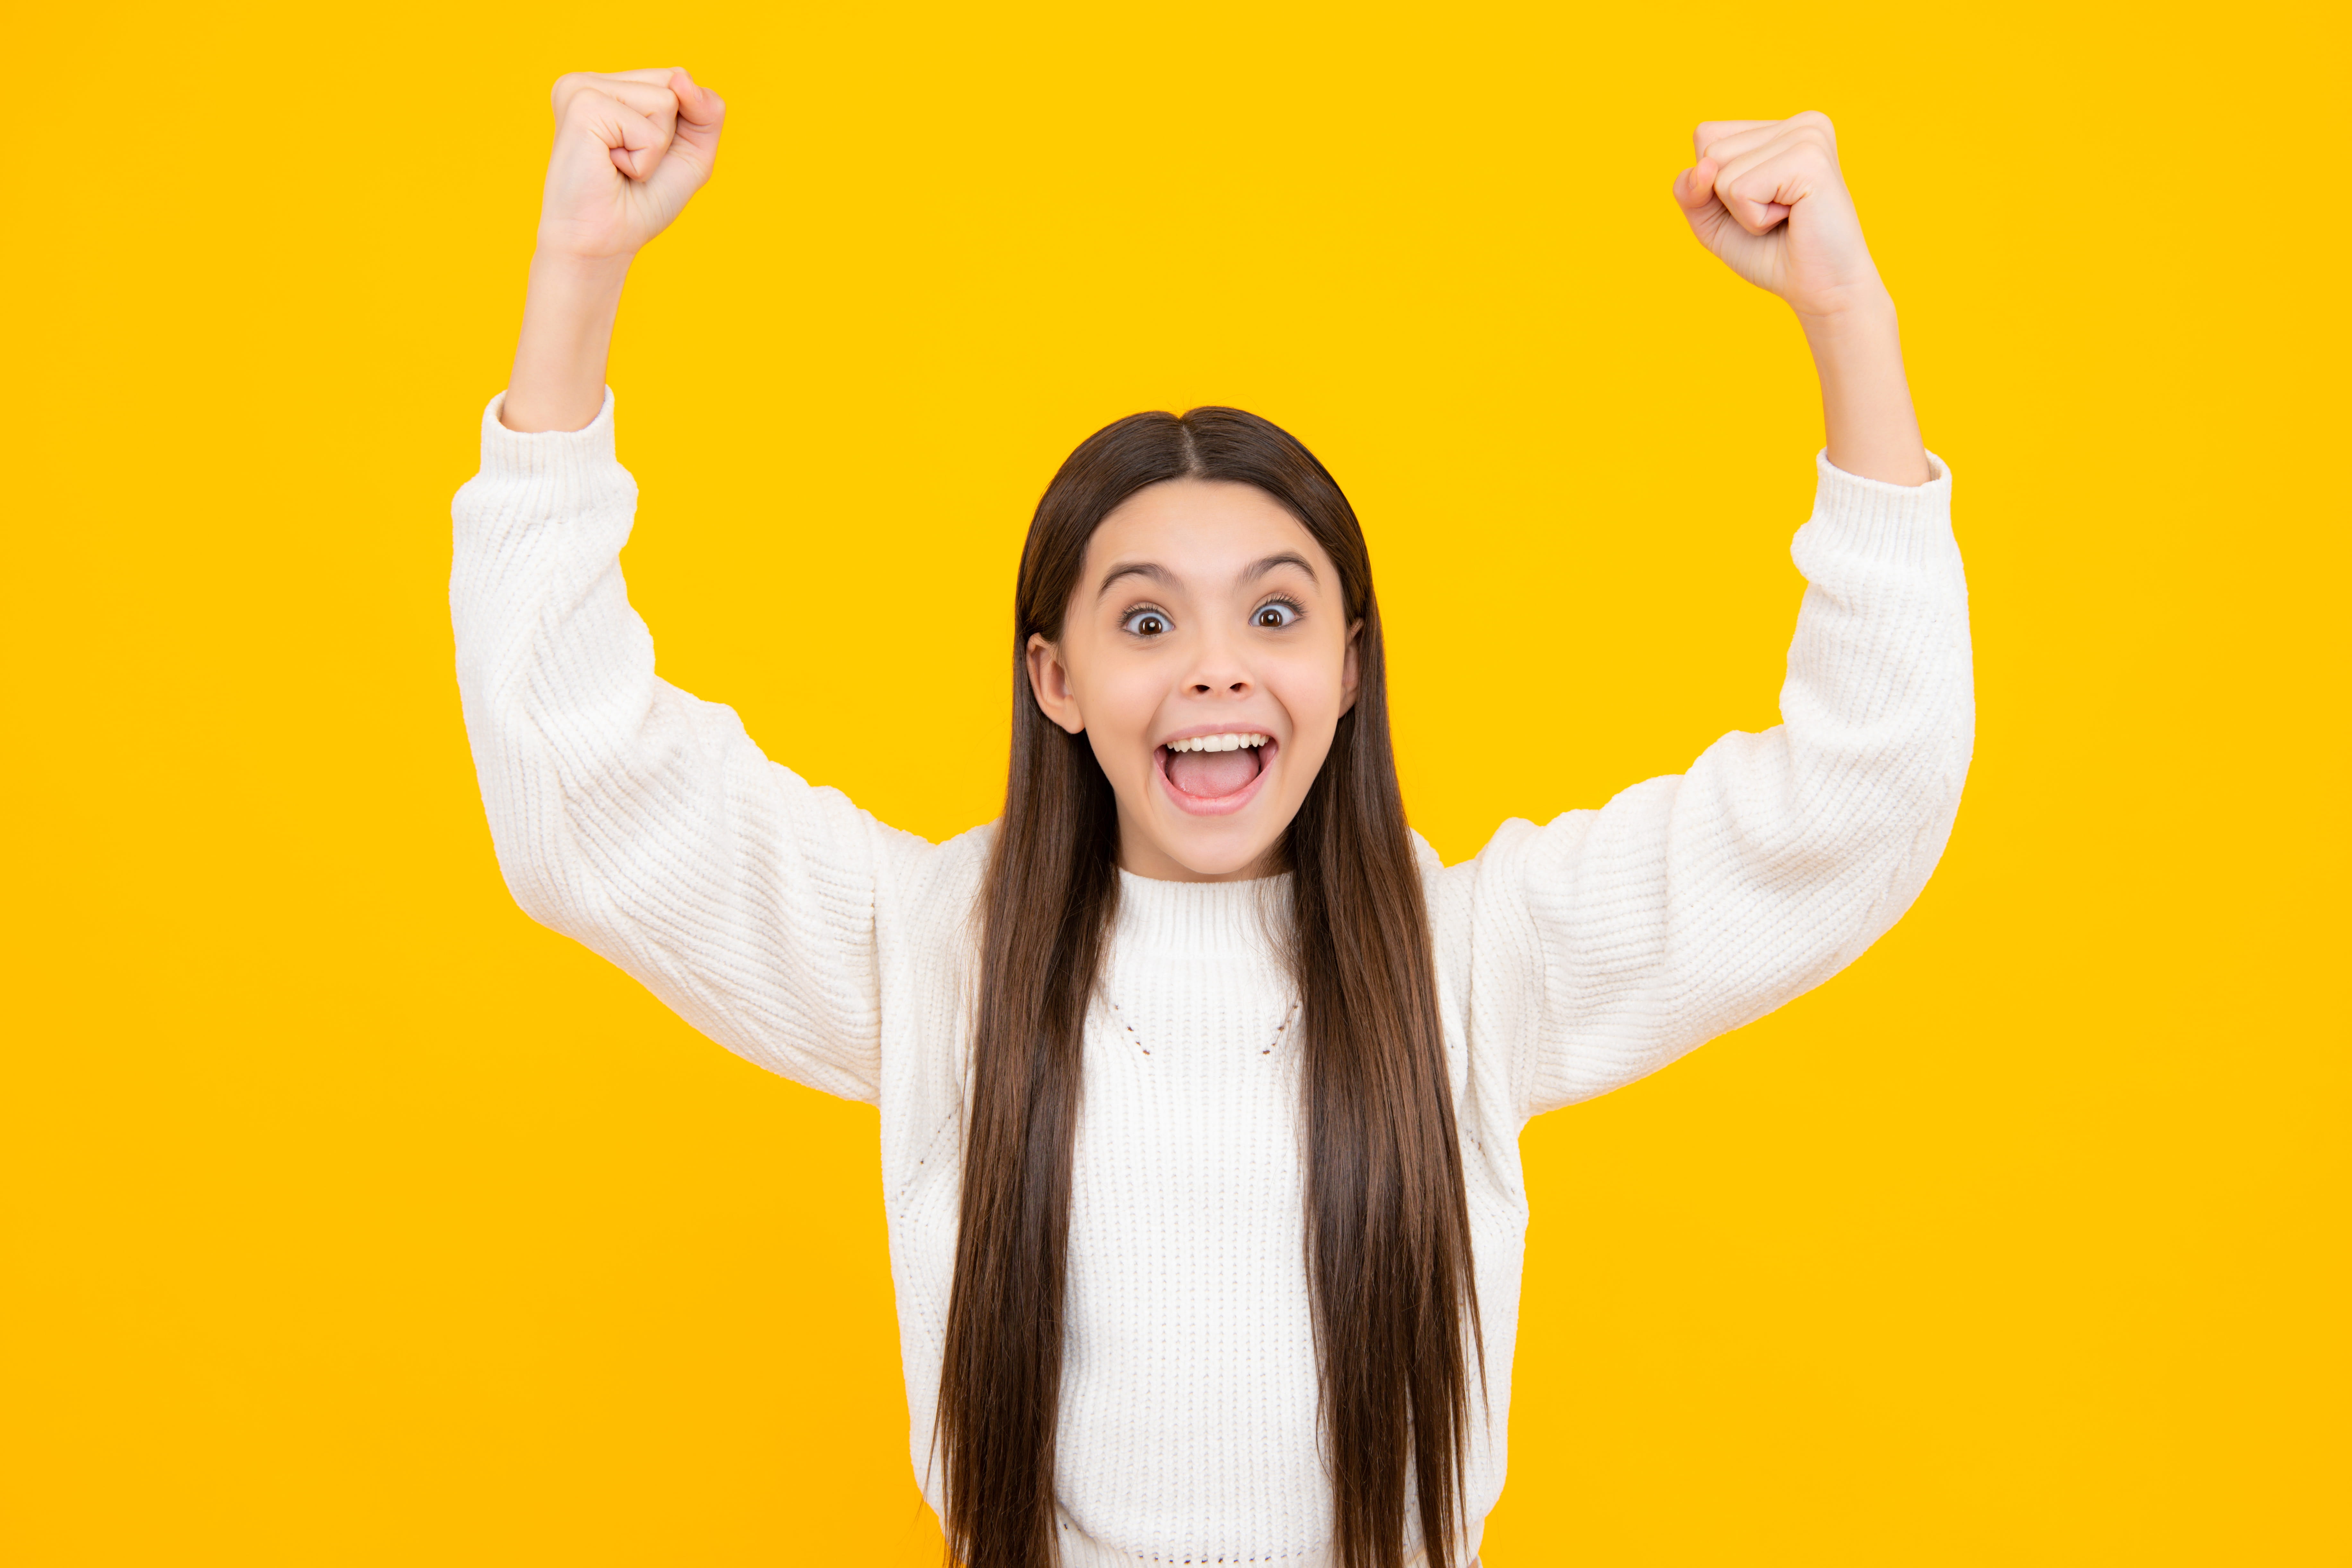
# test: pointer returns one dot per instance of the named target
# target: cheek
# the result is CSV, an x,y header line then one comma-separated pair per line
x,y
1119,702
1311,690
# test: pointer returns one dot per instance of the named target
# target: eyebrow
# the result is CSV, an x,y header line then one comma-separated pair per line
x,y
1287,557
1159,574
1146,569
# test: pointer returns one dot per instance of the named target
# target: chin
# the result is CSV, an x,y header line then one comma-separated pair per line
x,y
1223,857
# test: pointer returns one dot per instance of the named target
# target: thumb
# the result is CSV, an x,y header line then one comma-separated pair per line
x,y
697,104
700,115
634,141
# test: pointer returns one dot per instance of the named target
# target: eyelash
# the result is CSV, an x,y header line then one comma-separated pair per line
x,y
1297,611
1135,612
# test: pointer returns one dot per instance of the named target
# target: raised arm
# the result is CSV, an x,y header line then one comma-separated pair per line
x,y
630,152
627,813
1692,903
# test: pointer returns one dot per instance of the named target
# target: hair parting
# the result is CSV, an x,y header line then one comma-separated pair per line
x,y
1388,1234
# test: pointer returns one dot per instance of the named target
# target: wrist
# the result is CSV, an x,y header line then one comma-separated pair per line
x,y
562,279
1861,317
1870,427
557,382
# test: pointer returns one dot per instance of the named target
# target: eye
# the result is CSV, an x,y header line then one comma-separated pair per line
x,y
1144,621
1275,614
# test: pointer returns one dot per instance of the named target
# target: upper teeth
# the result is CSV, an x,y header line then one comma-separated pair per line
x,y
1233,742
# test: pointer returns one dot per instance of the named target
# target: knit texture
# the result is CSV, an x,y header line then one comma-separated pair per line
x,y
794,928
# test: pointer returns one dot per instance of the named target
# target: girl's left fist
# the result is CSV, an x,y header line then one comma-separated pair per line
x,y
1766,198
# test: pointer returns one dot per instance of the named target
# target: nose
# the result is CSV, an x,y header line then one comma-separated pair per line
x,y
1206,683
1219,672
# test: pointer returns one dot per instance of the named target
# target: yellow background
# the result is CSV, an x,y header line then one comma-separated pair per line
x,y
351,1218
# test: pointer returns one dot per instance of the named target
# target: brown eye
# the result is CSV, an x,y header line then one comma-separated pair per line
x,y
1146,622
1275,616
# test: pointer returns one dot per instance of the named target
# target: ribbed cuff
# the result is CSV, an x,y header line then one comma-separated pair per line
x,y
546,454
1908,524
547,476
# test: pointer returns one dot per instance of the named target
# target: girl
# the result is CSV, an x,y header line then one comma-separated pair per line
x,y
1201,1079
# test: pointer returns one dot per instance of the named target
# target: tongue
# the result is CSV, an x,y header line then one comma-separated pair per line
x,y
1212,773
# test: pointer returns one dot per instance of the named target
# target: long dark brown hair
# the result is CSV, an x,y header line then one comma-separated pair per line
x,y
1388,1234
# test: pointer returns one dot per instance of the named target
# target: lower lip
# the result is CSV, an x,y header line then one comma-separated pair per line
x,y
1215,805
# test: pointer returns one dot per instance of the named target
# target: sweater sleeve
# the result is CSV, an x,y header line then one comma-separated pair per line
x,y
629,815
1694,904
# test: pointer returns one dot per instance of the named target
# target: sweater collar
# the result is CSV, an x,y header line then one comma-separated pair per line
x,y
1202,917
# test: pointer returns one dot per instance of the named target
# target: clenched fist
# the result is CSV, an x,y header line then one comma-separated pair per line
x,y
1766,196
630,150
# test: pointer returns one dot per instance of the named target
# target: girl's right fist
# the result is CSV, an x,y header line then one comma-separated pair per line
x,y
630,150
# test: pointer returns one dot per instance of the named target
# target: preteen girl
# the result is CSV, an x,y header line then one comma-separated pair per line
x,y
1200,1080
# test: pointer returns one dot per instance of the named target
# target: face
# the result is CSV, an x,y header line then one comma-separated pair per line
x,y
1207,655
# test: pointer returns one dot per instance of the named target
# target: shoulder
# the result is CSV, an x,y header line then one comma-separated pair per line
x,y
1489,968
1471,890
1466,899
923,874
930,893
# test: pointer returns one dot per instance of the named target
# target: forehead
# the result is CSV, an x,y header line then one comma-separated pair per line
x,y
1205,531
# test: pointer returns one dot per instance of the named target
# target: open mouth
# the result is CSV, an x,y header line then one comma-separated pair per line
x,y
1212,774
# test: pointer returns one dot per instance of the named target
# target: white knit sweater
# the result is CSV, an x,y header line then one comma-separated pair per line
x,y
794,928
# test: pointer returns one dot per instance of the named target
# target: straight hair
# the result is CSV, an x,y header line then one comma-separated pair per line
x,y
1388,1233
